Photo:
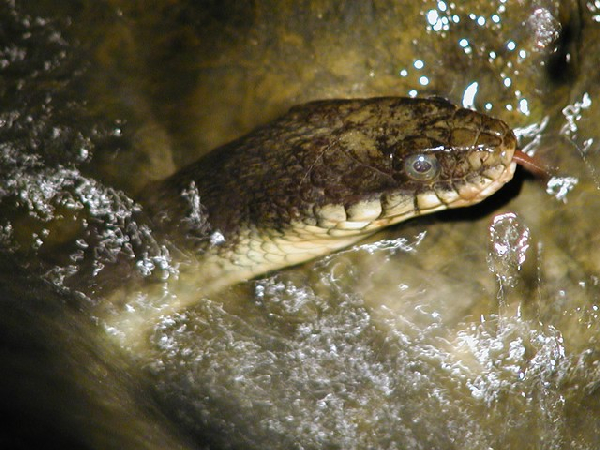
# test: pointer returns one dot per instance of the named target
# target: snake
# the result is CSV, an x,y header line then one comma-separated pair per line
x,y
320,178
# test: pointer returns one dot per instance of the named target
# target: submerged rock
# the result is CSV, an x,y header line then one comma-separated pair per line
x,y
440,333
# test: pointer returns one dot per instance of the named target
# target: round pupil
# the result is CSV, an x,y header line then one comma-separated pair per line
x,y
421,165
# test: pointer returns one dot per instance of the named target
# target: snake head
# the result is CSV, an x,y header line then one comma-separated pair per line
x,y
455,161
407,157
327,174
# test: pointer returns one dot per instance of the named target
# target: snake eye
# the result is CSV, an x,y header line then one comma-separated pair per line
x,y
421,166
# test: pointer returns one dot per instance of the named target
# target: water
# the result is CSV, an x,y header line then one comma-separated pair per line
x,y
471,329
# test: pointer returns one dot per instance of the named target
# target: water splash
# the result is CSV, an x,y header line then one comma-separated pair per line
x,y
509,243
559,187
389,246
573,114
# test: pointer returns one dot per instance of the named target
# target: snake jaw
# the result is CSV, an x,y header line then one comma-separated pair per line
x,y
490,186
486,172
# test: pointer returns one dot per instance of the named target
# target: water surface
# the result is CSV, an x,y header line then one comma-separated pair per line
x,y
471,329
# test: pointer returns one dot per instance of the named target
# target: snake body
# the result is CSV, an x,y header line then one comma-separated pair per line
x,y
327,174
321,177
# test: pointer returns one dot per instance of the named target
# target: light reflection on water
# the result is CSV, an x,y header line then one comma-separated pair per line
x,y
367,367
428,340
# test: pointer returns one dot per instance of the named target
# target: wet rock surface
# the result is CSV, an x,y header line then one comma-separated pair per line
x,y
470,329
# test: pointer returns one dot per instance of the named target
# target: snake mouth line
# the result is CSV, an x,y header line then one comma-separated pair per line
x,y
367,216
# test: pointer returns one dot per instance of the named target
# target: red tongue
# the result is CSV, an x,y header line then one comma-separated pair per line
x,y
532,165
